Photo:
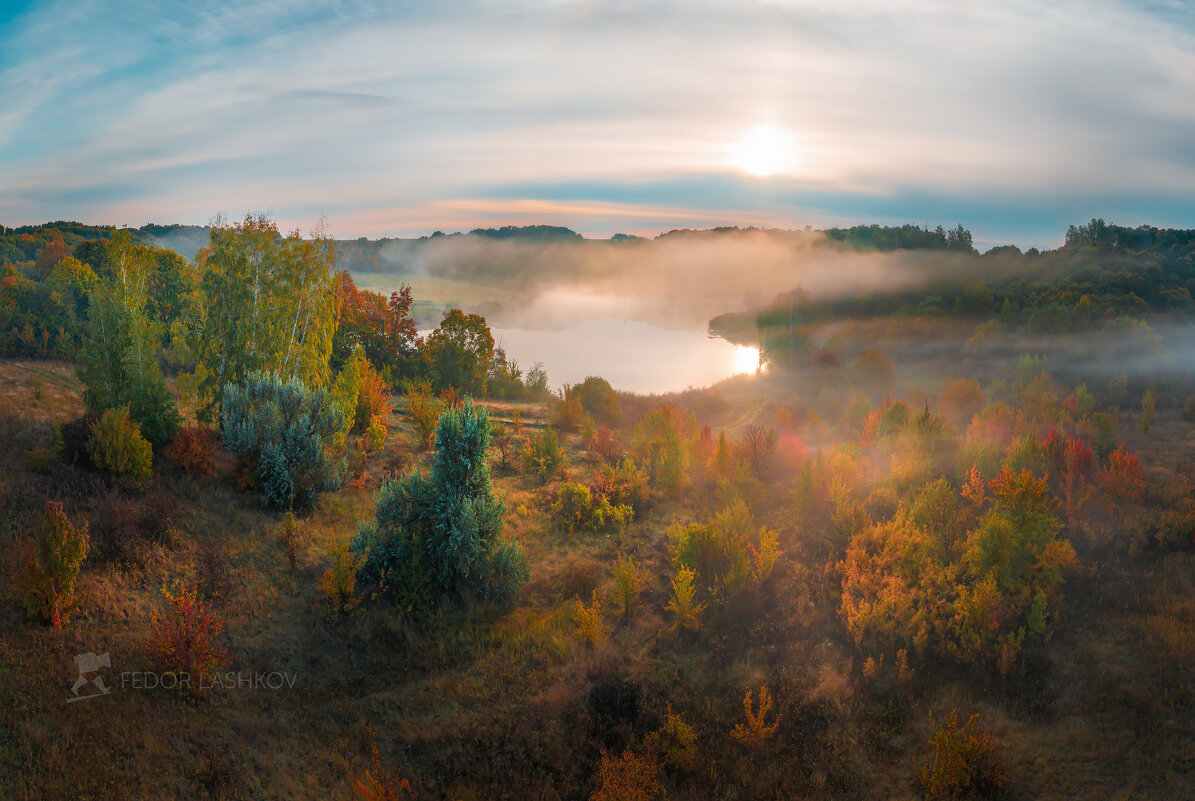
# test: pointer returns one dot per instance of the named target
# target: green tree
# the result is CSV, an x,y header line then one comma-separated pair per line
x,y
600,400
440,535
120,364
460,352
285,432
268,304
47,572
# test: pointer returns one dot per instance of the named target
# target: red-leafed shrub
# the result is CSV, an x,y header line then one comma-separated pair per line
x,y
191,450
1122,480
604,445
183,642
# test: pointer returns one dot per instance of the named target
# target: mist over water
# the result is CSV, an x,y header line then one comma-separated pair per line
x,y
632,355
637,312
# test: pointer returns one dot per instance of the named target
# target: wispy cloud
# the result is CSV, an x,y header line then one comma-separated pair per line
x,y
384,116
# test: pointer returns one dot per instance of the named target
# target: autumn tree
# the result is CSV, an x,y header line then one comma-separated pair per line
x,y
268,304
1013,566
460,351
380,324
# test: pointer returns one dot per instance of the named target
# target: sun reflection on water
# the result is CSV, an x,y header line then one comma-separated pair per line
x,y
746,359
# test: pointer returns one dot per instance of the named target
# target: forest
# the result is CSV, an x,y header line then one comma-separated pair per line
x,y
941,547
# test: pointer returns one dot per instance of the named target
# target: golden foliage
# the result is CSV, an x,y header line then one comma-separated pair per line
x,y
756,731
687,612
627,777
675,742
964,762
339,582
628,580
590,626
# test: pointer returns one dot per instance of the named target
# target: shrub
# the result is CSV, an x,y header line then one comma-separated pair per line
x,y
765,554
284,432
623,484
757,446
687,612
572,509
964,763
381,783
717,550
756,731
290,539
1122,480
659,447
578,508
439,535
47,570
1148,403
339,582
627,777
117,446
37,460
628,582
424,411
591,627
121,526
604,446
567,410
1013,570
154,410
192,449
1189,409
183,639
600,400
76,436
503,437
543,456
675,742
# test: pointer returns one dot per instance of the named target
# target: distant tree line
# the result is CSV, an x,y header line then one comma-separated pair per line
x,y
1104,273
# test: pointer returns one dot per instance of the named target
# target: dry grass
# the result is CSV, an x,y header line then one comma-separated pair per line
x,y
487,706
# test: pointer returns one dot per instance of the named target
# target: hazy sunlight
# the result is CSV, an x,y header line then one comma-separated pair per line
x,y
766,150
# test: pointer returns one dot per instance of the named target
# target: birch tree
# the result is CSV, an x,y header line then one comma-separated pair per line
x,y
120,362
268,304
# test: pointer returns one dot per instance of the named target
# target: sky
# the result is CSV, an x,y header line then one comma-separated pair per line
x,y
1012,118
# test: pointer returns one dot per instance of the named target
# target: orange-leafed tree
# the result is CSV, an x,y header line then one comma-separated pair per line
x,y
757,730
183,639
1122,479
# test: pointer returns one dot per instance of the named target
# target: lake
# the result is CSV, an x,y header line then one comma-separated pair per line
x,y
633,356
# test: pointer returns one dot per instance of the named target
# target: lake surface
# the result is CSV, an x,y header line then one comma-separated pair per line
x,y
633,356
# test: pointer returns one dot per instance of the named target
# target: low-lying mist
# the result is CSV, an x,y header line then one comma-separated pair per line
x,y
681,279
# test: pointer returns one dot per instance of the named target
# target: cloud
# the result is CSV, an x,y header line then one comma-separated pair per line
x,y
178,111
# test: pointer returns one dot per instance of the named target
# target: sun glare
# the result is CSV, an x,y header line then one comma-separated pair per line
x,y
766,150
746,359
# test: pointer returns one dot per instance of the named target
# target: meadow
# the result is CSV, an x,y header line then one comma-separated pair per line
x,y
920,556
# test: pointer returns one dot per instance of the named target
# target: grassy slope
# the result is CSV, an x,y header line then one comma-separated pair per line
x,y
494,706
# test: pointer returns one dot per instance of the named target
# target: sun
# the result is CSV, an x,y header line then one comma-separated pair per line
x,y
766,150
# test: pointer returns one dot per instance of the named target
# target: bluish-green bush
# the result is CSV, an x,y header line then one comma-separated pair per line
x,y
443,531
285,432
